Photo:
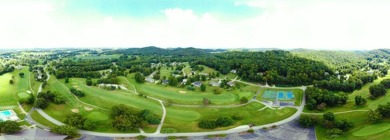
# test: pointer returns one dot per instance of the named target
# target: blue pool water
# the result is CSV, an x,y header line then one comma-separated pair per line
x,y
280,95
5,113
290,95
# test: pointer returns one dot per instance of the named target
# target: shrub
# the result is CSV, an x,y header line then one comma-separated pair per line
x,y
224,121
207,124
251,131
308,120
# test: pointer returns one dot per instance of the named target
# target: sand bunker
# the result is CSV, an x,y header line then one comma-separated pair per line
x,y
182,92
75,110
88,108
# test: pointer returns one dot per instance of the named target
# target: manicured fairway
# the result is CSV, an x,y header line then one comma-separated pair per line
x,y
185,119
107,99
97,116
23,95
41,120
7,91
372,129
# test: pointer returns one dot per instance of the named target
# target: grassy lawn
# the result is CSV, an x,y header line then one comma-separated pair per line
x,y
298,94
185,119
41,120
7,92
106,99
362,127
34,83
372,129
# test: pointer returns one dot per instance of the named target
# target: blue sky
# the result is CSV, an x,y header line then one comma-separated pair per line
x,y
313,24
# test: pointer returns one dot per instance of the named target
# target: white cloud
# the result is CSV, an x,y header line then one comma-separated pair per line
x,y
283,24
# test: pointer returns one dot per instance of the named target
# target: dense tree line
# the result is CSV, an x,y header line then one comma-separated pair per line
x,y
76,92
320,98
7,69
9,127
82,68
78,121
125,118
273,67
354,82
334,127
221,121
377,115
65,130
44,98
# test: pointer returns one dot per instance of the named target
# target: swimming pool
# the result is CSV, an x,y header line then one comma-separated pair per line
x,y
280,95
290,95
5,113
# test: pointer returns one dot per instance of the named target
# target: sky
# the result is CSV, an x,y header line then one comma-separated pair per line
x,y
284,24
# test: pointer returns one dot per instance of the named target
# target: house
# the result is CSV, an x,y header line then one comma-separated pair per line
x,y
233,71
149,79
184,81
165,82
205,74
230,83
370,72
34,134
214,84
197,83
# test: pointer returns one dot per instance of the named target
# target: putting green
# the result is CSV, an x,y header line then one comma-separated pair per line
x,y
372,129
23,95
97,116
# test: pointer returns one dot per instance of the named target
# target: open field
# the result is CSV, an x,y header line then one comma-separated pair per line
x,y
41,120
7,93
185,119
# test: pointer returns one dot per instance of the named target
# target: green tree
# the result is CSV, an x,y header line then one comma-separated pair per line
x,y
66,80
308,120
9,127
243,100
41,103
173,81
65,130
386,83
207,124
89,82
206,102
344,125
329,116
374,116
359,100
224,121
59,99
11,82
203,88
21,74
139,77
377,90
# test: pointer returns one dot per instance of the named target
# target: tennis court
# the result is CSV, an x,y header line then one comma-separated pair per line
x,y
280,95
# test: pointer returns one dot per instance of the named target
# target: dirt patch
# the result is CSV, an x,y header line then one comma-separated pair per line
x,y
75,110
88,108
182,92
